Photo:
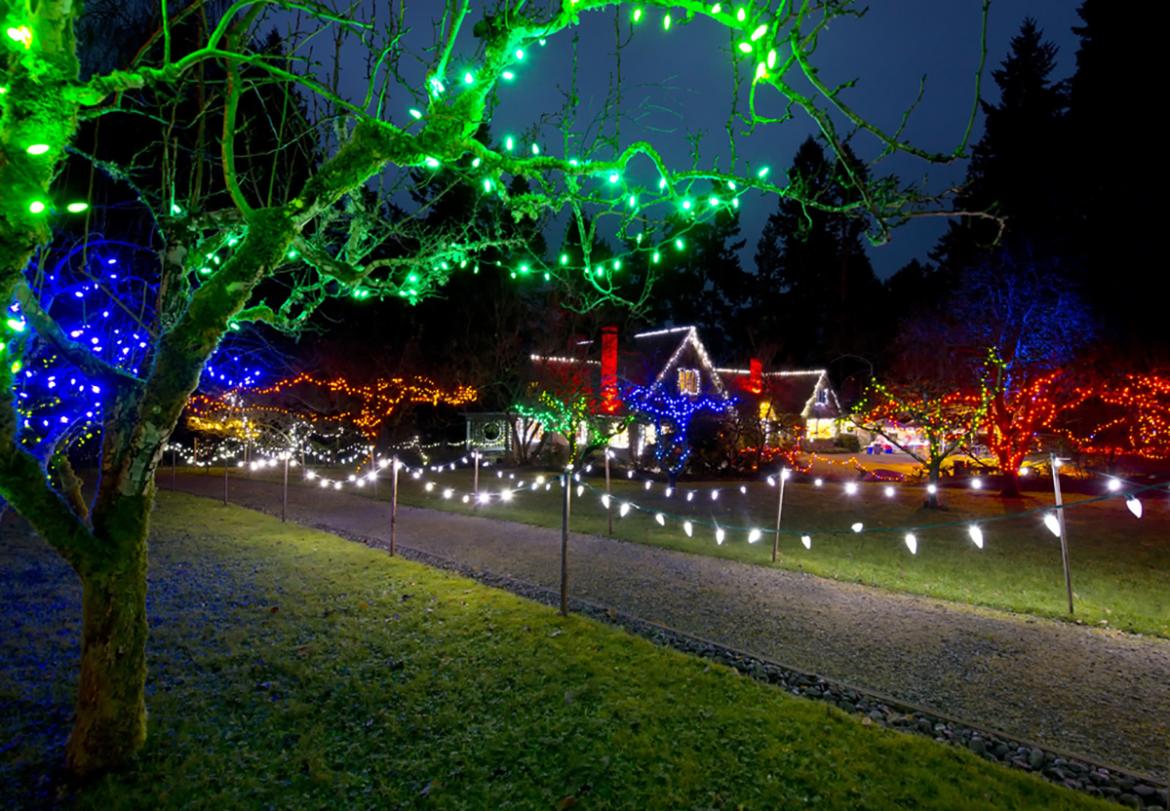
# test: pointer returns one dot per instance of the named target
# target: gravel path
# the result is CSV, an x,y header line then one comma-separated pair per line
x,y
1095,692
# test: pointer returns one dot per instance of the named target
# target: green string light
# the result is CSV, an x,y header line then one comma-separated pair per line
x,y
666,22
77,208
37,149
36,207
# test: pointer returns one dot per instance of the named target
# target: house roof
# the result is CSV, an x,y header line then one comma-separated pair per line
x,y
652,356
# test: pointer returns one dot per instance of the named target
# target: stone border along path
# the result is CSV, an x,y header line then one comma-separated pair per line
x,y
916,662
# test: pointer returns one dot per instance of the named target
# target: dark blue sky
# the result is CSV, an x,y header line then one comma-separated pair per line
x,y
677,84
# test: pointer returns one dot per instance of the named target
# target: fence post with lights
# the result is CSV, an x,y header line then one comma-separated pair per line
x,y
608,513
566,505
779,512
1063,532
393,504
475,475
284,492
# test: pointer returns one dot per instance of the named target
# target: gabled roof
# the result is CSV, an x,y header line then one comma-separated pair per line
x,y
794,392
664,350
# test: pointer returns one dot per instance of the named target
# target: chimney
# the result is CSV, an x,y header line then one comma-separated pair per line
x,y
755,381
610,400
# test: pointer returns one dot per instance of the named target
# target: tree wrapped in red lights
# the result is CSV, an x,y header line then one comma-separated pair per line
x,y
1012,418
1130,417
946,422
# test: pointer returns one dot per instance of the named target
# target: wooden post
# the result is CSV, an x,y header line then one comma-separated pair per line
x,y
1054,462
566,503
393,504
608,497
225,482
779,512
284,493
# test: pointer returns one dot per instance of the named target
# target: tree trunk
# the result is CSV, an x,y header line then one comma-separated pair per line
x,y
933,475
110,722
1010,483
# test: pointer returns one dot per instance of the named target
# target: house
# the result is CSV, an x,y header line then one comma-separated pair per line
x,y
675,360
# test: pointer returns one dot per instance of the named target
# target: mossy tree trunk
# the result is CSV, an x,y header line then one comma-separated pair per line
x,y
110,722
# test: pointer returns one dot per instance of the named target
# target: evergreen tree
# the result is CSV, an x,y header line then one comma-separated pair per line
x,y
816,295
1018,168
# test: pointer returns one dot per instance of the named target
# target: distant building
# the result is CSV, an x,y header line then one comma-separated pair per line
x,y
676,360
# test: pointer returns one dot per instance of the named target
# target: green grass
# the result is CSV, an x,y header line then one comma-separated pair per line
x,y
291,669
1119,563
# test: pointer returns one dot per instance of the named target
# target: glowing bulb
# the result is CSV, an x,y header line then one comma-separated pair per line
x,y
485,497
771,481
468,78
851,488
911,543
509,143
448,492
1053,524
807,541
669,492
624,509
714,495
759,32
1134,505
691,495
889,491
580,490
754,535
743,489
637,16
719,535
21,34
976,535
432,163
977,483
688,528
37,149
649,484
36,207
740,14
857,526
1114,485
508,75
818,482
660,518
519,54
932,488
666,22
605,501
745,47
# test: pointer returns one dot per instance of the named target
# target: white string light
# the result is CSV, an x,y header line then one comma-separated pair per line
x,y
1134,505
688,528
857,526
807,541
911,543
1053,523
976,535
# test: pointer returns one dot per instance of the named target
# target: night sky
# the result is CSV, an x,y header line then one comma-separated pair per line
x,y
677,84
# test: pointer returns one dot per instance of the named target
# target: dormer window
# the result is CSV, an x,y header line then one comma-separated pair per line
x,y
823,396
688,381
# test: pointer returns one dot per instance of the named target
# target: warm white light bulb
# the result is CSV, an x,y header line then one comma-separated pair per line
x,y
1053,524
688,528
605,501
807,541
719,535
976,535
754,536
889,491
977,483
851,488
1134,505
624,509
857,526
660,518
819,482
911,543
1114,485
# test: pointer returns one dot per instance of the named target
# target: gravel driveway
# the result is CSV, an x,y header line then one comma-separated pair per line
x,y
1100,693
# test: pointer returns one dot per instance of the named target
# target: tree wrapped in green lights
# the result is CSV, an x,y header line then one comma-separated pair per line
x,y
945,420
268,246
574,416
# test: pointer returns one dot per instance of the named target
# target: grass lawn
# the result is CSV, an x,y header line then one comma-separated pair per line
x,y
291,669
1119,564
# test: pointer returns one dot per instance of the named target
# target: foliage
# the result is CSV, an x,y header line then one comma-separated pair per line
x,y
575,416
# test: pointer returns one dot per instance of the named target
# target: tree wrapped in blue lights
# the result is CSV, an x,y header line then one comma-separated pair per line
x,y
671,414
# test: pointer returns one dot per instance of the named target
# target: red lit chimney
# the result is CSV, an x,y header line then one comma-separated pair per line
x,y
755,381
610,401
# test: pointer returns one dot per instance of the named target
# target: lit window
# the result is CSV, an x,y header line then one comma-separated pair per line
x,y
688,381
823,396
